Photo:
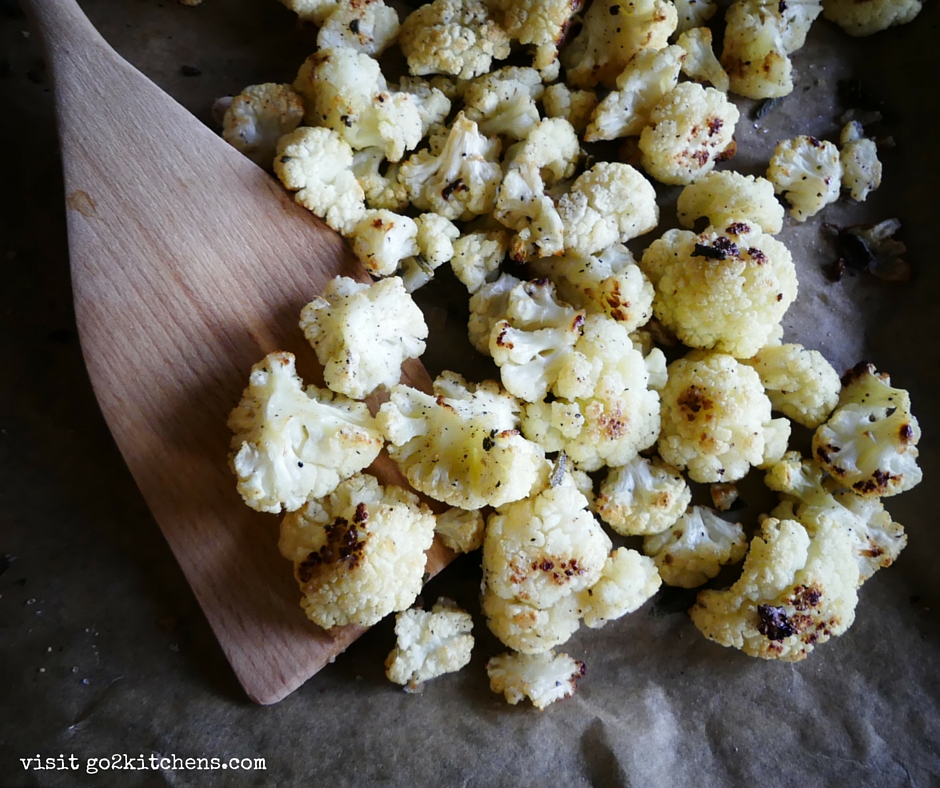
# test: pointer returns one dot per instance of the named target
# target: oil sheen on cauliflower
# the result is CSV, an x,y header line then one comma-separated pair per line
x,y
456,37
727,288
871,16
642,497
690,129
724,196
258,117
795,592
363,333
801,384
291,444
808,173
359,554
695,547
870,442
429,644
627,581
716,419
461,445
542,678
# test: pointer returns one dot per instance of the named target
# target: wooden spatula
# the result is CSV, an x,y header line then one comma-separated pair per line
x,y
189,264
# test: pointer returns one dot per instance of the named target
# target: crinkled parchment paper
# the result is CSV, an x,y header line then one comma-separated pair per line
x,y
103,650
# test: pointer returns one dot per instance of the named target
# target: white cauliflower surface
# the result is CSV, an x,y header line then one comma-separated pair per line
x,y
642,497
808,173
368,26
359,553
429,644
258,117
363,334
542,678
291,444
723,196
627,581
861,169
871,16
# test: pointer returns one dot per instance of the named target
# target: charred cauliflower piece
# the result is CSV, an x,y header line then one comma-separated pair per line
x,y
795,592
861,169
642,497
529,629
359,554
725,196
258,117
541,23
870,442
808,173
291,444
542,678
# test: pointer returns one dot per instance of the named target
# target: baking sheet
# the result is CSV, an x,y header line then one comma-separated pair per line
x,y
104,650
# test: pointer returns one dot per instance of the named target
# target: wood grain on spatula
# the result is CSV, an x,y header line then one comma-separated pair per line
x,y
189,264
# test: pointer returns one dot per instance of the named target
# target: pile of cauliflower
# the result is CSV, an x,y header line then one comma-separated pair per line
x,y
585,439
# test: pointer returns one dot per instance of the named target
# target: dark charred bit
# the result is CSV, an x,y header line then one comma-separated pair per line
x,y
774,624
738,228
614,10
757,255
836,271
906,433
362,514
782,6
858,372
714,125
702,250
345,543
765,107
726,245
457,186
822,452
693,400
702,157
814,142
346,121
547,565
877,483
489,441
501,340
377,224
582,668
354,26
805,597
728,153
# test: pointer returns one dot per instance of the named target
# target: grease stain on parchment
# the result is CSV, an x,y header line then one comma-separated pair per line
x,y
82,202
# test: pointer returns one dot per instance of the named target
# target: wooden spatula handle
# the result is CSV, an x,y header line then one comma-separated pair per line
x,y
64,30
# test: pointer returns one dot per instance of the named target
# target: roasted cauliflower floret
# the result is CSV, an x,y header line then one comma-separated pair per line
x,y
609,203
541,23
488,305
435,238
610,284
701,63
695,547
429,644
459,182
716,419
456,37
382,239
381,191
575,106
316,164
544,547
642,497
694,13
727,288
523,206
368,26
542,678
725,196
795,592
529,629
503,101
861,169
258,117
363,333
808,173
315,11
461,445
612,33
870,442
690,128
801,384
627,581
359,554
620,417
870,16
477,256
552,146
461,530
625,112
291,444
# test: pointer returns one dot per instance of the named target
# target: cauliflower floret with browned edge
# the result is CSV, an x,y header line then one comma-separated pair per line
x,y
545,547
488,305
456,37
870,441
432,100
610,283
610,203
690,129
642,497
503,101
460,529
368,26
862,18
809,495
801,384
723,196
617,420
716,420
359,553
429,644
795,592
315,11
861,169
611,34
528,629
477,256
345,90
382,239
461,444
381,191
542,678
694,548
701,63
575,106
292,444
523,206
625,112
808,173
435,238
363,333
627,581
317,164
552,146
539,22
461,181
727,288
258,117
694,13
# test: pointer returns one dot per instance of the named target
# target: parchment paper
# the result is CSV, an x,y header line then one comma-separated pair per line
x,y
103,649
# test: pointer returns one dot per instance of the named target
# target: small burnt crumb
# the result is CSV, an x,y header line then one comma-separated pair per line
x,y
546,565
738,228
757,255
906,433
377,224
780,296
489,442
614,10
836,271
765,107
728,153
450,188
823,453
774,624
346,121
712,253
362,513
877,483
345,543
782,6
714,125
725,245
693,400
354,26
814,142
190,71
805,597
